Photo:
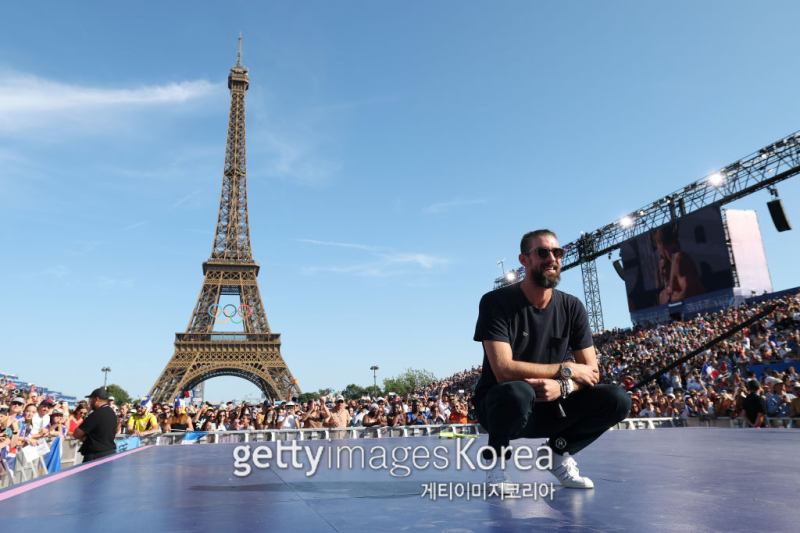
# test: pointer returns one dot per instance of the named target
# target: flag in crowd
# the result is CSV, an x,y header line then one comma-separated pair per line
x,y
710,371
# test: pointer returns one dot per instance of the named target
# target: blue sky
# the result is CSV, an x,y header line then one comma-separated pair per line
x,y
396,151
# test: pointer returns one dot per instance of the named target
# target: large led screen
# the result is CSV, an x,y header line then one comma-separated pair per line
x,y
677,261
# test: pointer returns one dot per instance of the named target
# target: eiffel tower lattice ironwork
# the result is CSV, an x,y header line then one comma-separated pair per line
x,y
254,354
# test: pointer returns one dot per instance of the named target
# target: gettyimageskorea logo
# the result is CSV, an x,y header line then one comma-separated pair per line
x,y
399,460
243,311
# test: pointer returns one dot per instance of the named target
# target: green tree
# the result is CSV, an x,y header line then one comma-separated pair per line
x,y
120,395
307,397
354,392
408,381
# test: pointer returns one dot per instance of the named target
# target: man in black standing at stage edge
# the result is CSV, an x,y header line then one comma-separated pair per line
x,y
526,388
98,430
755,406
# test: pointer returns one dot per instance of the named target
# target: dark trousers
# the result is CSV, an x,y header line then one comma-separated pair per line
x,y
98,455
509,411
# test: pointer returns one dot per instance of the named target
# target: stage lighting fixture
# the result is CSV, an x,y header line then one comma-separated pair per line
x,y
715,179
626,222
510,276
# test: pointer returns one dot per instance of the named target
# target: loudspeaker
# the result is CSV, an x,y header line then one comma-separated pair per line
x,y
778,215
619,269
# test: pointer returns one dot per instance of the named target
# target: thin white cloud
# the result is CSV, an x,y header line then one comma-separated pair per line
x,y
126,283
386,265
56,271
340,244
199,231
138,224
28,101
87,247
185,198
192,161
304,155
423,260
442,207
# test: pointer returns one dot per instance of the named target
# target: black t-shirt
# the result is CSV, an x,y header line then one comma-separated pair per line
x,y
100,428
753,405
542,336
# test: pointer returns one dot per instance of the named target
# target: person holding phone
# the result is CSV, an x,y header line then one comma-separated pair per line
x,y
287,419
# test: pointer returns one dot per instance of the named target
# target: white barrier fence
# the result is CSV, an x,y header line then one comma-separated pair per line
x,y
722,422
70,456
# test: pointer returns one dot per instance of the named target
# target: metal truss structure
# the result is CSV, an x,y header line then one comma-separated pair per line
x,y
591,290
760,170
254,354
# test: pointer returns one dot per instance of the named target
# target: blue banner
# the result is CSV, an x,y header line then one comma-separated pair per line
x,y
130,443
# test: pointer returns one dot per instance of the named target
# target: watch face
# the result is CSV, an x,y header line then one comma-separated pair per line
x,y
566,371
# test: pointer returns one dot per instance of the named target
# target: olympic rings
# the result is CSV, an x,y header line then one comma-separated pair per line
x,y
237,311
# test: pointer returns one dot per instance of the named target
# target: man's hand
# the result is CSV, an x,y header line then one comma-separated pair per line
x,y
546,390
583,374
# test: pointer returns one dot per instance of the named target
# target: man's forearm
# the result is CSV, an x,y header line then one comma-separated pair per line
x,y
519,370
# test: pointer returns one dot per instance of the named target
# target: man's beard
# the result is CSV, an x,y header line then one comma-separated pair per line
x,y
541,278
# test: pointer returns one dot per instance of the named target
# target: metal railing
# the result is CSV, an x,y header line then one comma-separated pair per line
x,y
720,422
272,435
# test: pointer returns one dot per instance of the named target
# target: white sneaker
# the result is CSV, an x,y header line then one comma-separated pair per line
x,y
498,476
566,470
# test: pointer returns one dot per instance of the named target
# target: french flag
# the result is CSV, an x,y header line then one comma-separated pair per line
x,y
189,393
709,370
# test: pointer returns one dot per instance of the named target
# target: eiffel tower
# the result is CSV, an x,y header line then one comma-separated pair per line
x,y
254,354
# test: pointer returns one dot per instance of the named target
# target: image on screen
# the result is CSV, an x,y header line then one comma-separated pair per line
x,y
676,261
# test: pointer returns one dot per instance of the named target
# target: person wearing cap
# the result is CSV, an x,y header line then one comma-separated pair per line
x,y
339,417
98,429
56,427
357,420
203,415
42,417
754,406
15,416
143,422
287,419
381,404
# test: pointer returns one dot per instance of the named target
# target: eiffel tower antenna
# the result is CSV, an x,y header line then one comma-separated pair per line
x,y
200,353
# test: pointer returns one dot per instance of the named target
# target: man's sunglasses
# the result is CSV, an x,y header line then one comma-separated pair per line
x,y
544,253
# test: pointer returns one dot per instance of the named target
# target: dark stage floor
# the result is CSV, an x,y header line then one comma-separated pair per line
x,y
646,480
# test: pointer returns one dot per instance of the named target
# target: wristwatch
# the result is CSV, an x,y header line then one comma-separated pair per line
x,y
566,372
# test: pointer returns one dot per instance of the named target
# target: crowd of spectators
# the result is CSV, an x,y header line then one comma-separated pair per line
x,y
714,383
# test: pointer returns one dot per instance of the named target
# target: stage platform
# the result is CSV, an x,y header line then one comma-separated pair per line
x,y
683,479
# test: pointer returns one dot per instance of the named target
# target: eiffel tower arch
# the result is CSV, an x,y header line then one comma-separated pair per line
x,y
253,354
